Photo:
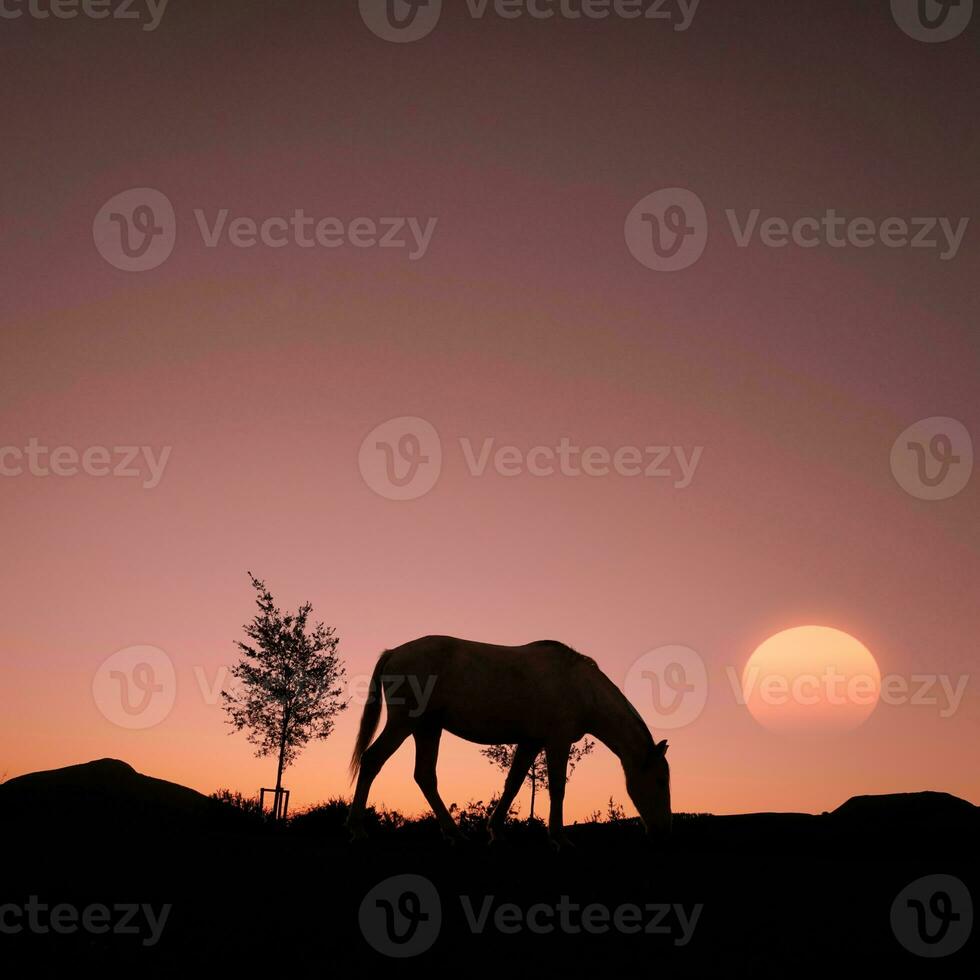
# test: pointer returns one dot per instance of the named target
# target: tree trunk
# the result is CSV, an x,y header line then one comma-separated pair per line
x,y
277,799
533,787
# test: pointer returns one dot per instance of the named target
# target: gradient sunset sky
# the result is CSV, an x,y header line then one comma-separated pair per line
x,y
527,321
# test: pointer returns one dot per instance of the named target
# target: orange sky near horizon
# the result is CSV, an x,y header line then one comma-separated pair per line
x,y
527,322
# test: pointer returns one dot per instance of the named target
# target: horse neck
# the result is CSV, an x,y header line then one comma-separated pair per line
x,y
616,724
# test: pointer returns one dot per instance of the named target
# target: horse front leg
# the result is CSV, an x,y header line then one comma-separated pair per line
x,y
557,755
524,755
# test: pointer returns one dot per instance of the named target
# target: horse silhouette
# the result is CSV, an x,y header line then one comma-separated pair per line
x,y
542,695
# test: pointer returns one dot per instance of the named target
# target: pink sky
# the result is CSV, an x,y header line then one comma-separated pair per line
x,y
527,321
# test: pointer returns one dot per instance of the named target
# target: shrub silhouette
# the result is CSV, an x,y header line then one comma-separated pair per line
x,y
328,819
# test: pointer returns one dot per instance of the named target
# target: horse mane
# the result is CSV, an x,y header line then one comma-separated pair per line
x,y
641,722
588,661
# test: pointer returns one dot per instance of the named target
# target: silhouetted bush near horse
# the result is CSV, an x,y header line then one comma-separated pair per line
x,y
328,820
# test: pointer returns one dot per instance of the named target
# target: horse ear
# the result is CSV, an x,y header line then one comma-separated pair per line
x,y
656,751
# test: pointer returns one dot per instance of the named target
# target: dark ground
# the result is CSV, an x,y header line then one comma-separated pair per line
x,y
781,894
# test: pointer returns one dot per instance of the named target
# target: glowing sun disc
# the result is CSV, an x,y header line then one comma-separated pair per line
x,y
813,679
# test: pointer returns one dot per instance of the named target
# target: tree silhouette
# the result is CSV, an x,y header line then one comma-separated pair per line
x,y
502,756
289,682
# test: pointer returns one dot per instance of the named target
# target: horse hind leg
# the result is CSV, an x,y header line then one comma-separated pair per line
x,y
375,756
426,754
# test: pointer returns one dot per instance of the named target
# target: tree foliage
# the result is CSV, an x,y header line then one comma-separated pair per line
x,y
289,688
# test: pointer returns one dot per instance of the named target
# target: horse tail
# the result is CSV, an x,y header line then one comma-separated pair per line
x,y
370,716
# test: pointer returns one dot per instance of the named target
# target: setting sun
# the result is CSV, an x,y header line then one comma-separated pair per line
x,y
811,679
